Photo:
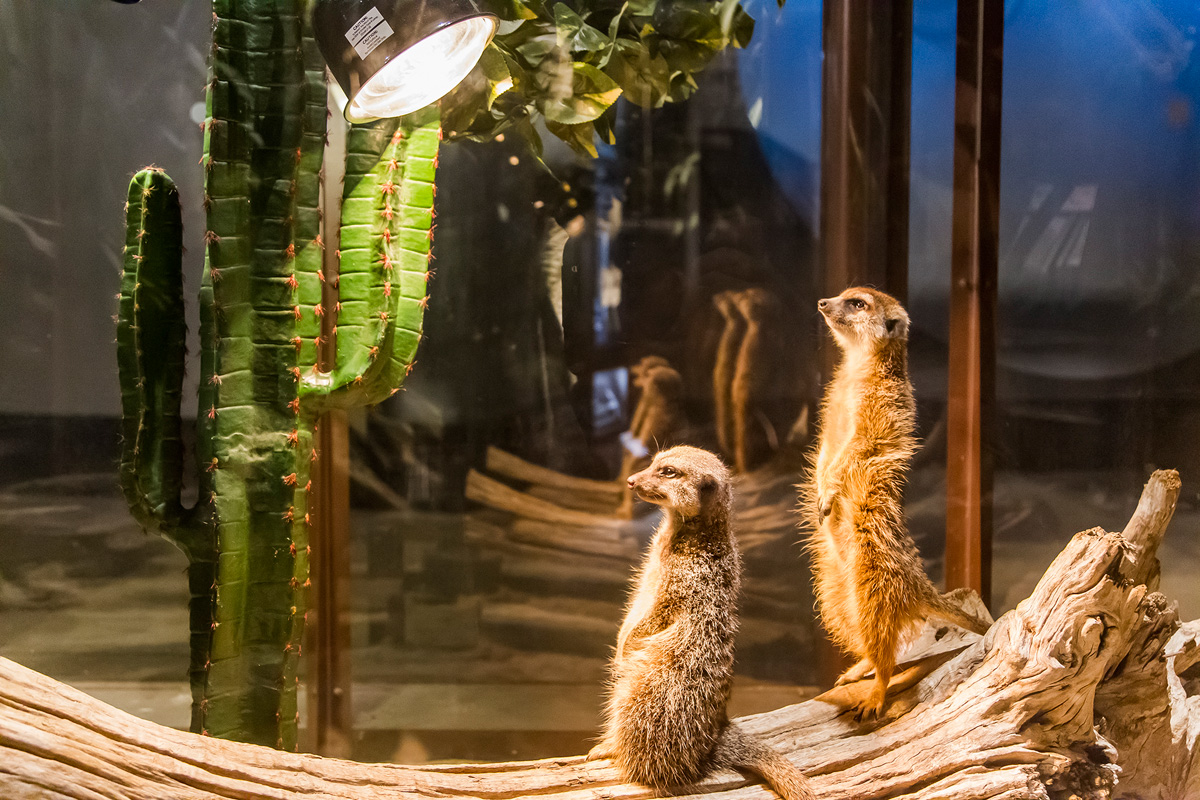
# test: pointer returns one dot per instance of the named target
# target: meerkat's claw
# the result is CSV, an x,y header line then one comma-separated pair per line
x,y
826,505
867,710
871,706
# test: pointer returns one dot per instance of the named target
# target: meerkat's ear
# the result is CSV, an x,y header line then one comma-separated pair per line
x,y
896,326
707,484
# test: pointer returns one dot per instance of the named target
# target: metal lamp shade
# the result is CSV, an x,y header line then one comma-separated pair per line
x,y
393,57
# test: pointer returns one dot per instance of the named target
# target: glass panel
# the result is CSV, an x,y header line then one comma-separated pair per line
x,y
1099,224
489,579
85,595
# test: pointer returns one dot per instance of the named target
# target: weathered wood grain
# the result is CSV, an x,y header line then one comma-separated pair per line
x,y
1086,682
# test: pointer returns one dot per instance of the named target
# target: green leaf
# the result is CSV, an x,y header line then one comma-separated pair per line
x,y
532,42
642,8
581,137
685,56
592,92
495,71
606,125
524,126
614,28
574,34
509,9
690,21
476,93
737,25
644,79
683,86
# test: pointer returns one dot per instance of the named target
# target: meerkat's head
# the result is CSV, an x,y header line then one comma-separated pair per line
x,y
690,481
665,381
647,363
723,302
862,316
756,303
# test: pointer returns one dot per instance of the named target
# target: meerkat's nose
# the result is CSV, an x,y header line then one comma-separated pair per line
x,y
822,304
630,481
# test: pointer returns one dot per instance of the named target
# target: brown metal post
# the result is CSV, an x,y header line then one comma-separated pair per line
x,y
865,110
329,712
974,267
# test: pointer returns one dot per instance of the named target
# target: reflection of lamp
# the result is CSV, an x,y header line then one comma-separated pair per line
x,y
393,57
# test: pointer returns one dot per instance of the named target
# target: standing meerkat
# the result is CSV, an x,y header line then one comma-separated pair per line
x,y
755,379
672,670
724,367
871,587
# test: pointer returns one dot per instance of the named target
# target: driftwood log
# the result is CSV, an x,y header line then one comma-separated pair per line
x,y
1088,682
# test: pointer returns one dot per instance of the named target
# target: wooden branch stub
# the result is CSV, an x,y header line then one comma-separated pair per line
x,y
1148,525
1085,682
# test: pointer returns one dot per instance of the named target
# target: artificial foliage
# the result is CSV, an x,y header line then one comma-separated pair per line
x,y
565,65
269,316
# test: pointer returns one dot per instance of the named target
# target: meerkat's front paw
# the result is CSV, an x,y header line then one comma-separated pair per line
x,y
860,670
599,752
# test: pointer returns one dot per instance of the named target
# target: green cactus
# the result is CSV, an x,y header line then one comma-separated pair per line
x,y
262,316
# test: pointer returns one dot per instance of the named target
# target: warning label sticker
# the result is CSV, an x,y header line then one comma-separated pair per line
x,y
368,33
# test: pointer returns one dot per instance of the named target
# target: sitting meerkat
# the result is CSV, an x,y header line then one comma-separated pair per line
x,y
871,587
672,671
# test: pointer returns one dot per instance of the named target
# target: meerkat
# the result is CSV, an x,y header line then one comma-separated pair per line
x,y
661,421
639,374
724,366
871,587
751,388
662,399
672,670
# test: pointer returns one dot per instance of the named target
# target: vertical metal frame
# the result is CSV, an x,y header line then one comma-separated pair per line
x,y
865,108
979,65
329,703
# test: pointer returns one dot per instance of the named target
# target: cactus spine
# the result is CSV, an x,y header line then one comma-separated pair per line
x,y
261,321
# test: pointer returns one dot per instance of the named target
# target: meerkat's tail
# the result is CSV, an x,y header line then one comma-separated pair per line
x,y
944,607
740,750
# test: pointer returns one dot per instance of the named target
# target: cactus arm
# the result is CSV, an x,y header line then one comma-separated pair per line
x,y
372,157
150,349
387,237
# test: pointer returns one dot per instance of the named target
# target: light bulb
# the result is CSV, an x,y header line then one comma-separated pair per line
x,y
423,73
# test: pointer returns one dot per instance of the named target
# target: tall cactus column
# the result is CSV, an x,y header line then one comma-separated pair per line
x,y
261,386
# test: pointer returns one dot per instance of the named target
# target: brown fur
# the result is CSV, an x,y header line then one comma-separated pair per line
x,y
724,367
672,670
758,368
871,586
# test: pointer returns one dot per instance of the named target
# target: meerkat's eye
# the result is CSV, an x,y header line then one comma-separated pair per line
x,y
856,302
668,472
